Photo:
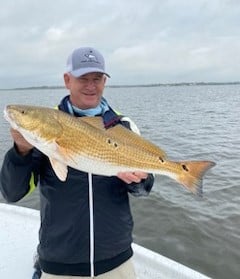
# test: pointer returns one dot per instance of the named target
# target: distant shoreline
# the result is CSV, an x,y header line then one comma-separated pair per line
x,y
44,87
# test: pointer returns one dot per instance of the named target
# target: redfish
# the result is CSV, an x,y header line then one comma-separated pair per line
x,y
84,144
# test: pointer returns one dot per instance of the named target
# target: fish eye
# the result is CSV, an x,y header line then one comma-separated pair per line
x,y
23,112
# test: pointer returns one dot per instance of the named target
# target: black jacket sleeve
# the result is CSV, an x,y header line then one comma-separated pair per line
x,y
143,188
15,175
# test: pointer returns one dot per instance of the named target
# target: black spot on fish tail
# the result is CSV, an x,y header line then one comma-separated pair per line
x,y
185,168
192,175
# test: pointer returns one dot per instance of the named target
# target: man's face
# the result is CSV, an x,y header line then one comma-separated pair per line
x,y
85,91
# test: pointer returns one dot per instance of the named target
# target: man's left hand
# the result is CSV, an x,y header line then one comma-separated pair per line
x,y
129,177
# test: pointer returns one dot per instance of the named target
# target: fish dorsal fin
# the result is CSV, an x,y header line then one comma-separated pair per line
x,y
59,168
135,140
120,132
95,121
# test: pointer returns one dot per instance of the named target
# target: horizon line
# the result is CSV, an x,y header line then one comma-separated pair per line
x,y
129,85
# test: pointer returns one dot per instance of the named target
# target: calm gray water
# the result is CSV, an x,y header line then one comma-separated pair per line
x,y
188,122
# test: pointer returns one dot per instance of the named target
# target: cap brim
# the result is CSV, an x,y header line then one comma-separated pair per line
x,y
81,72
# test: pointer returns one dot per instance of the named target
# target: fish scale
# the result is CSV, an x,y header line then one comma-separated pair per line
x,y
114,150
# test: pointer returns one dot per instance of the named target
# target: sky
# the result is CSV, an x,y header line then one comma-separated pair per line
x,y
143,41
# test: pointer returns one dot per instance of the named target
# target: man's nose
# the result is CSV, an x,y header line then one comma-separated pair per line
x,y
91,84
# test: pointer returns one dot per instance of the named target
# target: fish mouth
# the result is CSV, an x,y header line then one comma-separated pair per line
x,y
7,116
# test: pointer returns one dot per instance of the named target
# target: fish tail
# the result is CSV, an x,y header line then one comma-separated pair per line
x,y
192,173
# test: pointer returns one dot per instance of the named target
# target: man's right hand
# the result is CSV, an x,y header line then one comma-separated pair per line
x,y
23,146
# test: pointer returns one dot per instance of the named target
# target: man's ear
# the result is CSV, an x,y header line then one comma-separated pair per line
x,y
105,79
67,80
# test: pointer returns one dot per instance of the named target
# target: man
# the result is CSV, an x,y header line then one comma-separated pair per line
x,y
86,223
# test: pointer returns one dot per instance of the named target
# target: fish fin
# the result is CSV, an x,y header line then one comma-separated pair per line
x,y
119,132
192,174
96,121
131,138
66,154
59,168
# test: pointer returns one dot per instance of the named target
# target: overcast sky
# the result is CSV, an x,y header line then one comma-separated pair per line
x,y
143,41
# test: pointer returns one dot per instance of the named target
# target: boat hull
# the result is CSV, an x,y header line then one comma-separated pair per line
x,y
19,237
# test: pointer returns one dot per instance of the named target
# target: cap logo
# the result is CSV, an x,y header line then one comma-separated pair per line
x,y
90,58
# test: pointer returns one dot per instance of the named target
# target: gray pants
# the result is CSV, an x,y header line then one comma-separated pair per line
x,y
124,271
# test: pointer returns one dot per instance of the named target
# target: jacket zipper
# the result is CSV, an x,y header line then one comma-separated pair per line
x,y
91,224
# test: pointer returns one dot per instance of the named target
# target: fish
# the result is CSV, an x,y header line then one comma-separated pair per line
x,y
84,144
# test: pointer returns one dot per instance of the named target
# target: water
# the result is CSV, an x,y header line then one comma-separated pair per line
x,y
188,122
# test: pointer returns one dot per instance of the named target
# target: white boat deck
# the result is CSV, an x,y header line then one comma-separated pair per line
x,y
19,237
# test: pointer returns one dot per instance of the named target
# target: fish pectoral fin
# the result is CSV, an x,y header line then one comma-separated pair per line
x,y
59,168
66,154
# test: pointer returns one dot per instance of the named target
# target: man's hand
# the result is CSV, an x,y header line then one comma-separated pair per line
x,y
23,147
129,177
